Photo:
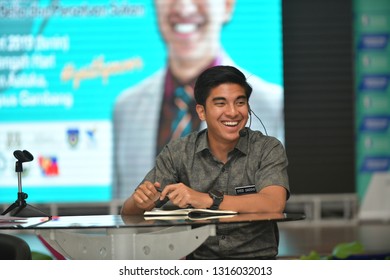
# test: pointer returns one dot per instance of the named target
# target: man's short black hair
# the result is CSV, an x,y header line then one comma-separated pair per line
x,y
215,76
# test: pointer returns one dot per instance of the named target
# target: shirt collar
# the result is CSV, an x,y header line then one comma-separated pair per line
x,y
242,144
201,143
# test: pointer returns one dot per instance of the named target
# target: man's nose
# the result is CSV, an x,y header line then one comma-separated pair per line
x,y
231,110
185,7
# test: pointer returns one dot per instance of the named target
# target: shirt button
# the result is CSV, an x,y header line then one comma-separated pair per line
x,y
223,169
223,237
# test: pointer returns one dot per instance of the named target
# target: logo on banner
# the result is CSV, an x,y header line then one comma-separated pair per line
x,y
377,82
49,166
376,164
375,124
73,137
374,41
91,137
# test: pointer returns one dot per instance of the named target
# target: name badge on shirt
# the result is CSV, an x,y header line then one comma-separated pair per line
x,y
245,189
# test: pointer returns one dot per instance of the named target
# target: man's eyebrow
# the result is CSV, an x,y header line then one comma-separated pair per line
x,y
219,99
241,97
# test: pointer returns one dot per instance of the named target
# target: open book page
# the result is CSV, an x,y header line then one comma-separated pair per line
x,y
185,217
188,213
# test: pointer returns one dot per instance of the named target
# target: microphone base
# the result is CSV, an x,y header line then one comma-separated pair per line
x,y
20,208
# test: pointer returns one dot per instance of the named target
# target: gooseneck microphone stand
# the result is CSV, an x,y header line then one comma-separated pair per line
x,y
20,207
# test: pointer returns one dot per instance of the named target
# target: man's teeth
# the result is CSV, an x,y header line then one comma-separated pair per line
x,y
185,27
230,123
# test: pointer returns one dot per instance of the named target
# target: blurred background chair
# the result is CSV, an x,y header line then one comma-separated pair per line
x,y
14,248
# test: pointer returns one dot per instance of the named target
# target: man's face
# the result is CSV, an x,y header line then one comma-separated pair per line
x,y
225,112
191,28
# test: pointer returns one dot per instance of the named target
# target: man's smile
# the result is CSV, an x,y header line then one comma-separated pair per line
x,y
185,28
231,123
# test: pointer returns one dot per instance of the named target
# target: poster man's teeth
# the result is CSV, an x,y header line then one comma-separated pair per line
x,y
185,27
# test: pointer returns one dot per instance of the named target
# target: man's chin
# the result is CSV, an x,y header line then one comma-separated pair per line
x,y
188,56
190,53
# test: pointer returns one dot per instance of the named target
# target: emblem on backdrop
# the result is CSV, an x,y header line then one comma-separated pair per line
x,y
73,137
49,165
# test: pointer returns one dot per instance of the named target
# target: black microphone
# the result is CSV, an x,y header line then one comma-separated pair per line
x,y
243,132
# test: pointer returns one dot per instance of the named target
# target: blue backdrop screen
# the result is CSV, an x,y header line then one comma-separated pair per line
x,y
64,63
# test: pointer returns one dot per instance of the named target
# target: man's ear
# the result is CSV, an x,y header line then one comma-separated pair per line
x,y
201,112
229,8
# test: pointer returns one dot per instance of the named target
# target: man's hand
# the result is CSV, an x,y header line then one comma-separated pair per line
x,y
146,195
183,196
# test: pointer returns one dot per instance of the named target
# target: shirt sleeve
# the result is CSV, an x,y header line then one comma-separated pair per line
x,y
164,170
273,166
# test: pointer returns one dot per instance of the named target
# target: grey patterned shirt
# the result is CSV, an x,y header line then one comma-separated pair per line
x,y
256,160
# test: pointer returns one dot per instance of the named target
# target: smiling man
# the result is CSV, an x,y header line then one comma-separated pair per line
x,y
210,168
192,32
162,107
